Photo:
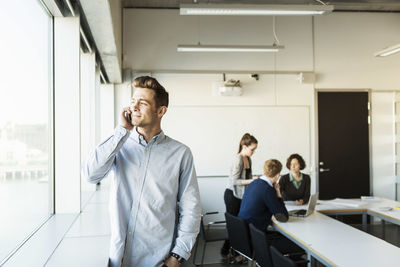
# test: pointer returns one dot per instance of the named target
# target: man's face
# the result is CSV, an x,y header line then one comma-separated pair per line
x,y
143,107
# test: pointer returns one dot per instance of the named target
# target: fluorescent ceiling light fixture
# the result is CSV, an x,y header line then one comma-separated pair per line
x,y
229,48
388,51
253,10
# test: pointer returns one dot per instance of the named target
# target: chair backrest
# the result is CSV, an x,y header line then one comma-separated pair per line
x,y
278,259
239,234
260,246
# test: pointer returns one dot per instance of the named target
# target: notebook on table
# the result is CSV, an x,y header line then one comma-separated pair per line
x,y
312,202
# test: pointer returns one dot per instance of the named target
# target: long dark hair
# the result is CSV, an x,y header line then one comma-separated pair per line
x,y
247,139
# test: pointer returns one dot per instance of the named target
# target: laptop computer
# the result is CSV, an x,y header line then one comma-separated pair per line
x,y
312,202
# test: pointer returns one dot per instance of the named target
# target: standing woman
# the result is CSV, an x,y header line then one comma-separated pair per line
x,y
295,185
240,176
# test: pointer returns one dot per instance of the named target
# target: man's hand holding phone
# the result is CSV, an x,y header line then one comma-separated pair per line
x,y
126,118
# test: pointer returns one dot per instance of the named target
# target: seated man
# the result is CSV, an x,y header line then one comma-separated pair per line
x,y
261,200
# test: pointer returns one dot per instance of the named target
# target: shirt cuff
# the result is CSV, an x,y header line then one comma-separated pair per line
x,y
181,253
121,132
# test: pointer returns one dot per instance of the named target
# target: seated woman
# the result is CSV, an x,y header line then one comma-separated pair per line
x,y
295,185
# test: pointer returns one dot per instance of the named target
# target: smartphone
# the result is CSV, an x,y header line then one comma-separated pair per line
x,y
128,117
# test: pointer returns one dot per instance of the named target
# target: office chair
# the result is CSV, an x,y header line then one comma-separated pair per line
x,y
278,259
239,236
209,236
261,247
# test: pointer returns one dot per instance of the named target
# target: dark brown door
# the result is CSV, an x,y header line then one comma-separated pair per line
x,y
343,139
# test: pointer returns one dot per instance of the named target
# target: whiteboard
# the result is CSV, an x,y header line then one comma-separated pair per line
x,y
213,134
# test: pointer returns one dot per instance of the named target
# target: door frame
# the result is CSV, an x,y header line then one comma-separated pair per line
x,y
316,147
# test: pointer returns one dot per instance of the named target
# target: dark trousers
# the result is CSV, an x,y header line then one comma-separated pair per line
x,y
232,205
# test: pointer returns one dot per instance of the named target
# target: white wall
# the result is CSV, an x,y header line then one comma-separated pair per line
x,y
88,103
88,110
382,144
277,118
98,106
344,48
212,197
122,96
107,110
151,37
344,44
67,114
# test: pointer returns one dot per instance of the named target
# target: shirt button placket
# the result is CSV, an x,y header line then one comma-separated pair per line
x,y
146,157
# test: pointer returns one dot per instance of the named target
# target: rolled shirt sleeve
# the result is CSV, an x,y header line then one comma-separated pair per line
x,y
101,160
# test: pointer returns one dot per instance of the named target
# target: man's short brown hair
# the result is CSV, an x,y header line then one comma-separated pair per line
x,y
160,94
272,167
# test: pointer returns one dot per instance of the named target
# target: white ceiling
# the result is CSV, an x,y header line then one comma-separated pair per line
x,y
340,5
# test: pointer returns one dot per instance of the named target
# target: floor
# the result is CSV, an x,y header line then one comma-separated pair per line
x,y
211,258
83,239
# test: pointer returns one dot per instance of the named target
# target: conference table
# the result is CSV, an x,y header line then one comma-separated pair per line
x,y
337,244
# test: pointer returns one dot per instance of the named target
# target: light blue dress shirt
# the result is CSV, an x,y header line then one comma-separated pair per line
x,y
154,197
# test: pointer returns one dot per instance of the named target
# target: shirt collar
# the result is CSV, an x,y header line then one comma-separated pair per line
x,y
292,179
265,178
142,141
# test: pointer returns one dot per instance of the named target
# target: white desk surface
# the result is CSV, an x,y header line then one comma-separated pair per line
x,y
379,208
338,244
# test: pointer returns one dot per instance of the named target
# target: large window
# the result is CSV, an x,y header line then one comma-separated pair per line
x,y
25,115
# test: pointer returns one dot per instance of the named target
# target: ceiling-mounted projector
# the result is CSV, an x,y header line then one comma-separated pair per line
x,y
230,88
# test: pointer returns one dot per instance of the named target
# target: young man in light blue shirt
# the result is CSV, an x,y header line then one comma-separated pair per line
x,y
154,202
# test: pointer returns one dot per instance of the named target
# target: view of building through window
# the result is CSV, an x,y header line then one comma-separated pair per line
x,y
25,86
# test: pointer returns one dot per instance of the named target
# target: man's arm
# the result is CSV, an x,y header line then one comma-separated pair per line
x,y
276,205
101,160
189,208
282,186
